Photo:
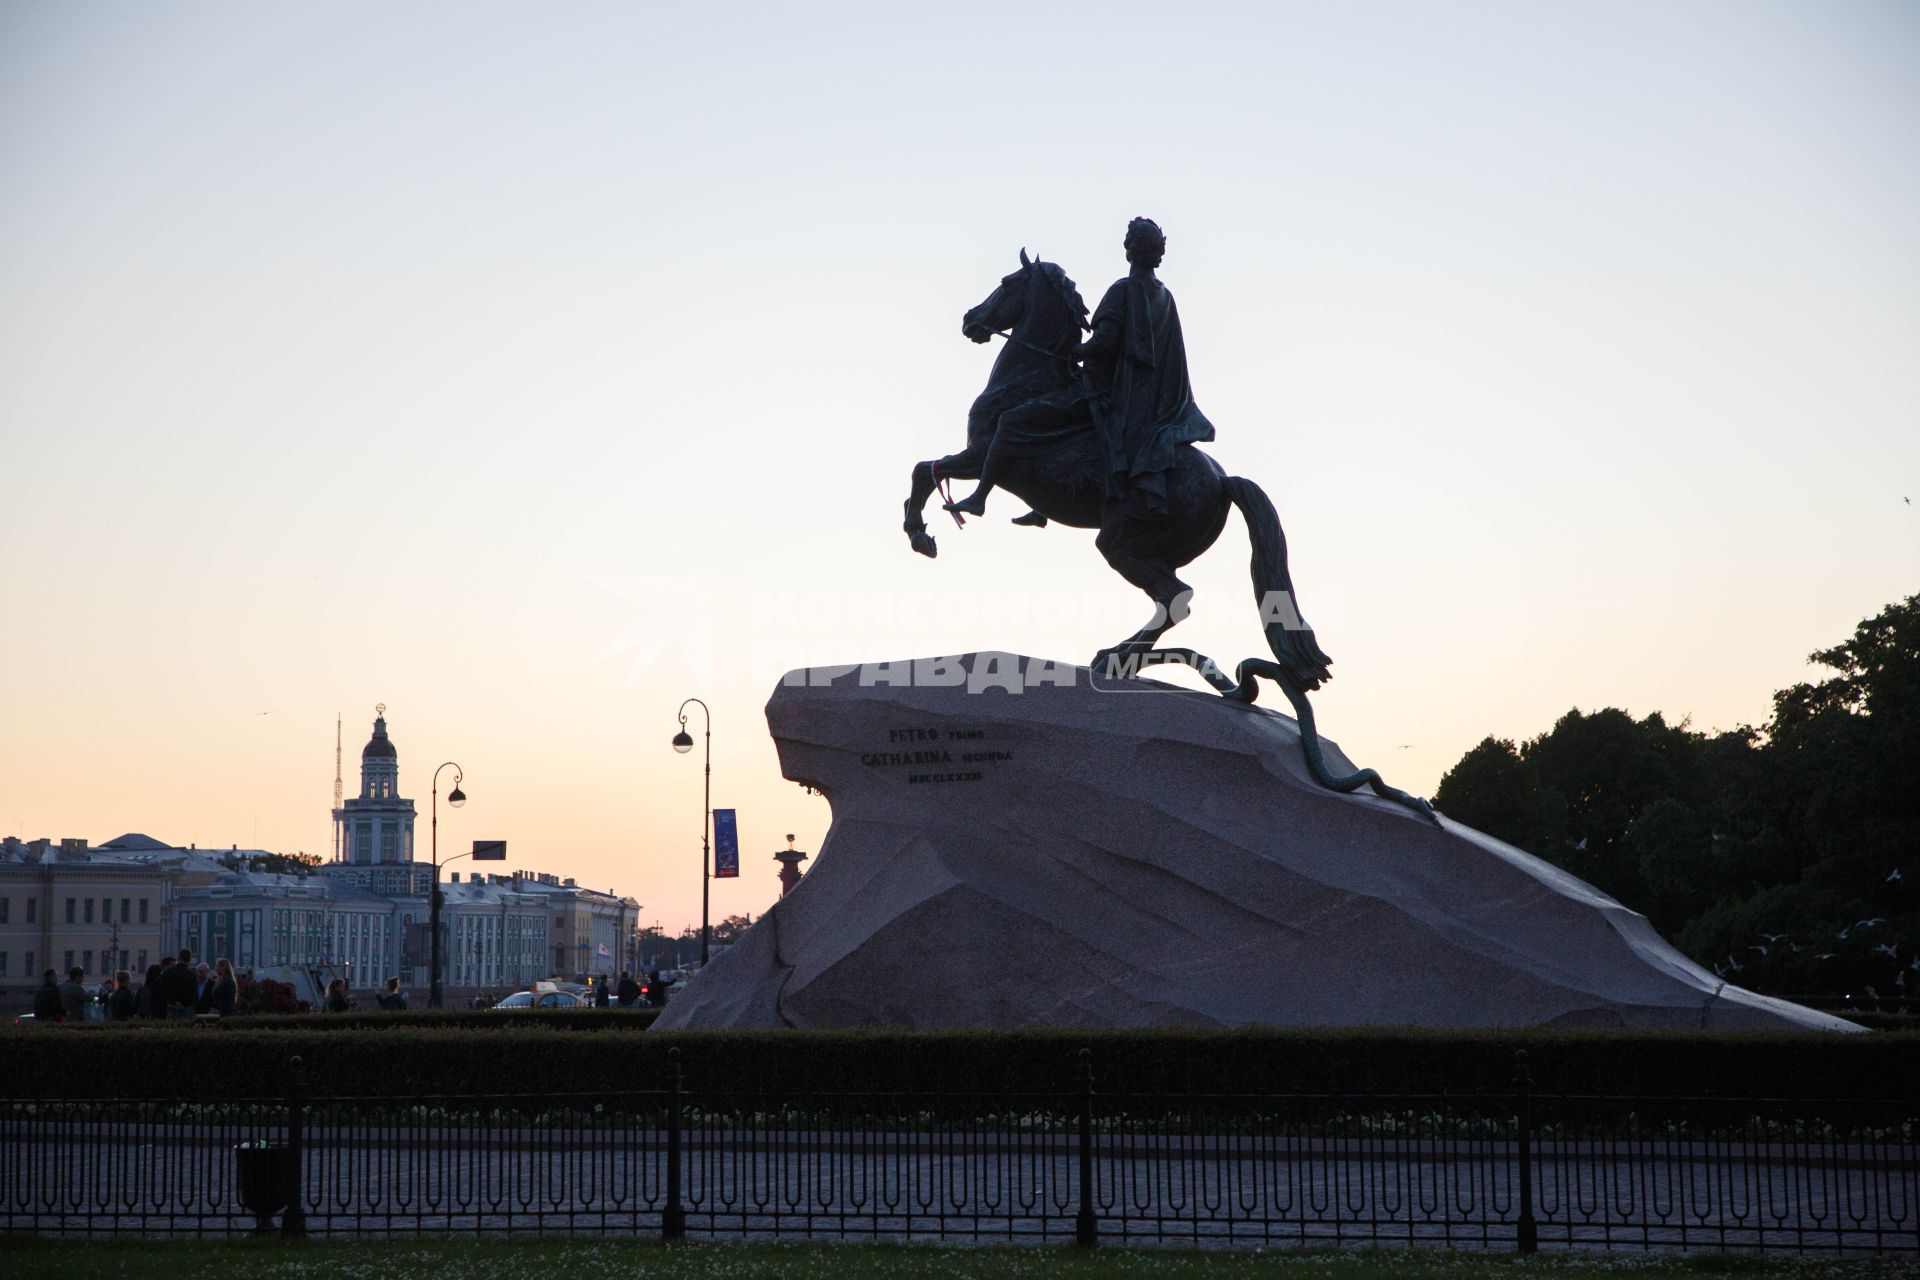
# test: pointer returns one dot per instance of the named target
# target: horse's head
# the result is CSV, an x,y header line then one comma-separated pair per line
x,y
1002,308
1038,294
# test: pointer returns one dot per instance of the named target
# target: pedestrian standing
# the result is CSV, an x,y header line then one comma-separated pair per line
x,y
73,995
120,999
46,1000
226,989
151,1002
179,985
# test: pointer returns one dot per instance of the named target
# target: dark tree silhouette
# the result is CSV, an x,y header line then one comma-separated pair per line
x,y
1788,856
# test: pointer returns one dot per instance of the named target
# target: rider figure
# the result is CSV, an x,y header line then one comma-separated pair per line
x,y
1135,385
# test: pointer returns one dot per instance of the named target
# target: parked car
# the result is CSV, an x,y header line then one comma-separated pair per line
x,y
542,1000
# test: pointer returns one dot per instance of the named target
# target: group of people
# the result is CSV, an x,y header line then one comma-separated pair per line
x,y
629,994
174,988
336,999
632,994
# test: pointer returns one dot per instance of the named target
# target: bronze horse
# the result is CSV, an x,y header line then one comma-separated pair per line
x,y
1041,315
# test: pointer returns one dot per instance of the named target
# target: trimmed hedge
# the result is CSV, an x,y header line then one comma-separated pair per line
x,y
164,1060
451,1019
382,1020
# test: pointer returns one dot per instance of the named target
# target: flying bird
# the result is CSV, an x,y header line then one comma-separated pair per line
x,y
1757,947
1773,937
1871,993
1894,876
1734,966
1868,924
1824,955
1889,951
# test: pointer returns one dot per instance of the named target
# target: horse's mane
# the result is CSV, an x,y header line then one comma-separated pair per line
x,y
1069,293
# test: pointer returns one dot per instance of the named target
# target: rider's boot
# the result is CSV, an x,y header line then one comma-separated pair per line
x,y
975,503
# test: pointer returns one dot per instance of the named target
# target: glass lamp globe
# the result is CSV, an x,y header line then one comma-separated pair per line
x,y
683,742
456,797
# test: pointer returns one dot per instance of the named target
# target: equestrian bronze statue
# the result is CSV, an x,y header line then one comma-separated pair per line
x,y
1101,434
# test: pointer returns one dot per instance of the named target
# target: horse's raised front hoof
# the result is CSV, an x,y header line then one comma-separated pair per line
x,y
923,543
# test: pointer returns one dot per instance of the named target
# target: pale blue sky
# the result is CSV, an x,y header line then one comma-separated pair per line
x,y
413,353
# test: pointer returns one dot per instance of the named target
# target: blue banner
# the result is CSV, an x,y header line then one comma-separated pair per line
x,y
726,845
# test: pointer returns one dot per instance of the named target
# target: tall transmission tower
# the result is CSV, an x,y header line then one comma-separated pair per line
x,y
336,786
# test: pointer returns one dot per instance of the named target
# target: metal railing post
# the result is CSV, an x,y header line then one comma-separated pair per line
x,y
673,1219
1529,1229
294,1221
1086,1230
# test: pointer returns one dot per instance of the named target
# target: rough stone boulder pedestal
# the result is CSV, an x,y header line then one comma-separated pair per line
x,y
1022,844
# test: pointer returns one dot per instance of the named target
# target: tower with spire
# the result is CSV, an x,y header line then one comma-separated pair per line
x,y
375,828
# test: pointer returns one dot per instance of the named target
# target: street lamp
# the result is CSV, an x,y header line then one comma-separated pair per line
x,y
455,798
683,743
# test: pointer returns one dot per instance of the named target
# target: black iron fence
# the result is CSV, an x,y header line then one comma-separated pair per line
x,y
1515,1170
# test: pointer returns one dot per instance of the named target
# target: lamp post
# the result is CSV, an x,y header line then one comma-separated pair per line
x,y
683,743
455,798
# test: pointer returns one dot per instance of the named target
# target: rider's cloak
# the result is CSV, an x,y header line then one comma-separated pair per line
x,y
1137,365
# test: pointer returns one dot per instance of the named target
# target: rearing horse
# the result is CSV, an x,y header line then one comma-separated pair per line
x,y
1062,478
1041,314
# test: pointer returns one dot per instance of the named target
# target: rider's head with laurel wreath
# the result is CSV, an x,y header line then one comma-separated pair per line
x,y
1146,243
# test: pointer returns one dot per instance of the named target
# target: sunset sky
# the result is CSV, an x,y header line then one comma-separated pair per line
x,y
532,368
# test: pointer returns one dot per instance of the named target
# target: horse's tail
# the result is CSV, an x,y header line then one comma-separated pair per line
x,y
1288,634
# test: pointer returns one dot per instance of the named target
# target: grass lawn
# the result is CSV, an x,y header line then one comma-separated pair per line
x,y
32,1259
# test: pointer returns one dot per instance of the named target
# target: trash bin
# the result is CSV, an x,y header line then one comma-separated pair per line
x,y
265,1176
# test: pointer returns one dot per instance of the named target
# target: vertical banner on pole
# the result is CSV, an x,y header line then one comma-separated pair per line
x,y
726,845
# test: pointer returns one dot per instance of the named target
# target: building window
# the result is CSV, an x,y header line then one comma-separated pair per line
x,y
28,968
33,912
6,908
69,916
68,966
143,959
86,960
3,964
125,915
143,911
88,913
389,845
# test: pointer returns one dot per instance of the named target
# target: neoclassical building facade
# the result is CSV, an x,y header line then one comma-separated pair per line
x,y
362,916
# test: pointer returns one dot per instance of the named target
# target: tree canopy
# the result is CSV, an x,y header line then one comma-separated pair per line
x,y
1785,856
